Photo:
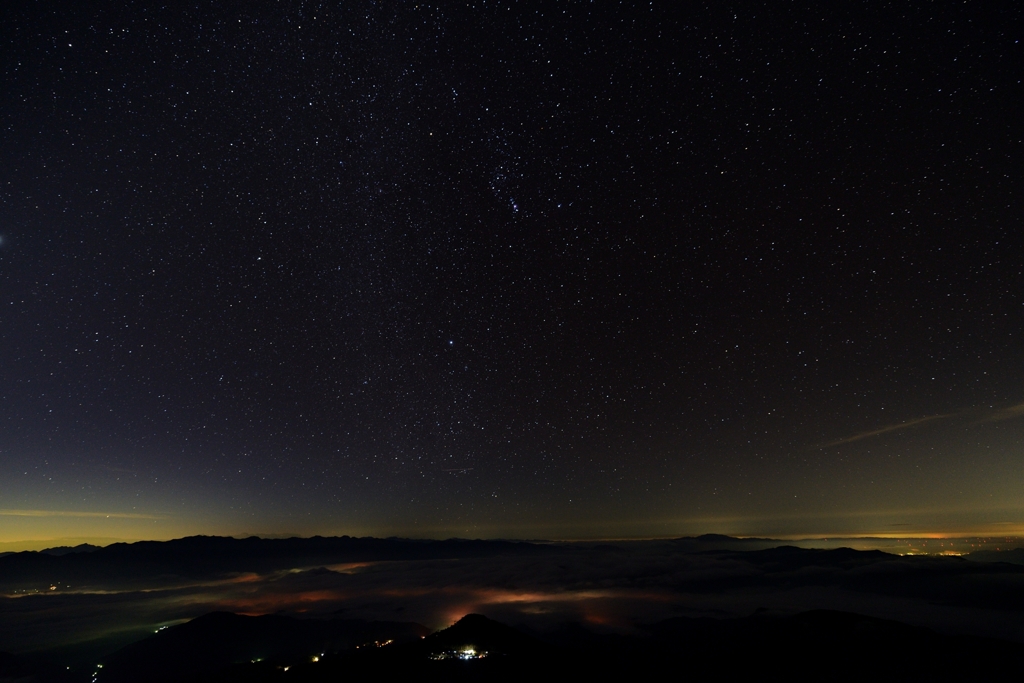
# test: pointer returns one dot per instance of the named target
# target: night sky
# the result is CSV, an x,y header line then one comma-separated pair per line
x,y
520,269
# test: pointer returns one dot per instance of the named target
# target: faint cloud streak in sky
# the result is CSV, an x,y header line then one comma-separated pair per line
x,y
73,513
885,430
1005,414
1008,413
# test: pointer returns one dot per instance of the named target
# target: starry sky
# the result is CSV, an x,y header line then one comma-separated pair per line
x,y
523,269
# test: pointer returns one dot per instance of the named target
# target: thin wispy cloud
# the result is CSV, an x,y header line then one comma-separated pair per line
x,y
1005,414
886,430
999,415
75,513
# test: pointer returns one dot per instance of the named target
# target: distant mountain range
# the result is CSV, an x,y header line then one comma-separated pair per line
x,y
205,556
68,550
62,550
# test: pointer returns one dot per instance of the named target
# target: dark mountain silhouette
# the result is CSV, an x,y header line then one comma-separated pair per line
x,y
197,557
827,645
481,633
13,667
722,538
228,647
129,565
473,649
1015,556
810,646
212,642
790,557
70,549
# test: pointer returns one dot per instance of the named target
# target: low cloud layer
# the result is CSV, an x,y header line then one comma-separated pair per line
x,y
612,587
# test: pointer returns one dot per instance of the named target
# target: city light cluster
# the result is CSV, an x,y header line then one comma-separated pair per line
x,y
465,653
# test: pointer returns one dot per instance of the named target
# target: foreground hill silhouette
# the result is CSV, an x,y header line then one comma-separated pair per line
x,y
217,640
810,646
13,667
